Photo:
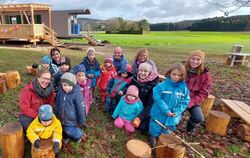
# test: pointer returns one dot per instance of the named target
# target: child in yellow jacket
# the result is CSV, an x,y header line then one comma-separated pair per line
x,y
44,126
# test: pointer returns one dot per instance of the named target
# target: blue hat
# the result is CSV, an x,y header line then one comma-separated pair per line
x,y
45,112
79,68
46,59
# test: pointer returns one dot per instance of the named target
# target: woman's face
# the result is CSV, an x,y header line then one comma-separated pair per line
x,y
176,75
44,80
143,73
143,57
195,62
56,56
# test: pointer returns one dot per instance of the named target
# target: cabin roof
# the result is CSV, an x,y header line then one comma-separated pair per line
x,y
19,7
77,11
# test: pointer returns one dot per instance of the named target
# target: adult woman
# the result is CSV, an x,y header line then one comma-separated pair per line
x,y
36,93
141,57
199,83
55,64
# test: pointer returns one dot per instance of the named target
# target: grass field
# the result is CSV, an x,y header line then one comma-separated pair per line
x,y
104,140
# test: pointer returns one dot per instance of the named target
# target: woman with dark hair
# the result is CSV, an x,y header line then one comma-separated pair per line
x,y
36,93
55,55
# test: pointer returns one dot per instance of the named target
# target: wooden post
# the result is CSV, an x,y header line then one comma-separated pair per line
x,y
45,150
243,131
21,14
33,25
137,149
12,140
217,122
207,104
26,17
173,148
12,79
2,17
50,25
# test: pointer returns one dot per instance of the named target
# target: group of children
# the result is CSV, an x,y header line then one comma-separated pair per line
x,y
133,100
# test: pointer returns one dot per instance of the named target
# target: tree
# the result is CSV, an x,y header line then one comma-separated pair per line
x,y
144,25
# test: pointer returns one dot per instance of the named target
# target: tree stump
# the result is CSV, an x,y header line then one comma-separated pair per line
x,y
45,151
207,104
2,87
137,149
31,70
243,131
230,112
2,76
12,79
217,122
173,148
12,140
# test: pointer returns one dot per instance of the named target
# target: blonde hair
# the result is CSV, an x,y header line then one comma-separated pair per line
x,y
41,72
140,52
199,53
177,66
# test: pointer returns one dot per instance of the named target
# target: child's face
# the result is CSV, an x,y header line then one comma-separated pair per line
x,y
124,74
56,56
143,57
108,64
46,123
143,73
66,87
64,67
80,76
91,56
195,62
44,65
176,75
130,97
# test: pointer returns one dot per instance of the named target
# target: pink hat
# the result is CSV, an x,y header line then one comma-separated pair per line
x,y
109,59
133,90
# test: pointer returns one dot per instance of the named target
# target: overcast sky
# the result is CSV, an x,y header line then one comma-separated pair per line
x,y
154,11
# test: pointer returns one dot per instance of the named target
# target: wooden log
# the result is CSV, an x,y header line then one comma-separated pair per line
x,y
173,149
12,79
217,122
207,104
226,109
45,151
31,70
2,76
12,140
137,149
243,131
2,87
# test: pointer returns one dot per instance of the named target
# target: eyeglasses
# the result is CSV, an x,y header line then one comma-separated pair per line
x,y
45,79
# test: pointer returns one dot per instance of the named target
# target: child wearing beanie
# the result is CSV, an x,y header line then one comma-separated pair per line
x,y
70,108
92,66
127,109
85,85
171,98
107,72
45,126
45,63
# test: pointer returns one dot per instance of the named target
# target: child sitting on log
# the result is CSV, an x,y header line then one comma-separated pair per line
x,y
171,98
127,109
45,126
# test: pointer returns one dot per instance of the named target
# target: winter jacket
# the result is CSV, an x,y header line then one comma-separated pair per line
x,y
127,111
70,108
136,64
120,63
169,97
106,75
37,130
87,94
30,101
95,69
199,87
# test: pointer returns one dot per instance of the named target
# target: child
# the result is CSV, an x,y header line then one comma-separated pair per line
x,y
64,67
45,63
120,62
107,72
44,126
92,66
171,98
116,87
70,108
85,85
127,109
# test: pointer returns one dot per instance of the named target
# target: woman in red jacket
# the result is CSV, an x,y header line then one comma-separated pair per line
x,y
36,93
199,83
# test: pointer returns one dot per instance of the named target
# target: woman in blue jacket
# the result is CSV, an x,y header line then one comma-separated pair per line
x,y
171,98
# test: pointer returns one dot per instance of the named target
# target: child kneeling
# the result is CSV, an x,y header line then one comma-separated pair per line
x,y
44,126
127,109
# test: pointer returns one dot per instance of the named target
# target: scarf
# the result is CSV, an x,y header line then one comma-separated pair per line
x,y
149,78
130,102
193,71
82,83
43,93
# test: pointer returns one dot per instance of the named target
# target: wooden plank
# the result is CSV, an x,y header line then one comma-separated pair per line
x,y
26,17
243,105
241,112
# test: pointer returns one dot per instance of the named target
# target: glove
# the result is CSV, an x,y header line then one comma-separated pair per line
x,y
136,123
37,143
56,147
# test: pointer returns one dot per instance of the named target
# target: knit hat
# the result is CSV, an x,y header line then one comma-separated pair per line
x,y
132,90
199,53
65,60
46,60
145,66
79,68
45,112
69,78
90,50
108,59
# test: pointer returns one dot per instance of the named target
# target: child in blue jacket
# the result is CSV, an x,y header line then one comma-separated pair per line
x,y
127,109
171,98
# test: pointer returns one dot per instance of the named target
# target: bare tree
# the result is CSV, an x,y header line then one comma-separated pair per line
x,y
5,1
230,6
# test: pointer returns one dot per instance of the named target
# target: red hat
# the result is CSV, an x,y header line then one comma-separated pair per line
x,y
133,90
109,59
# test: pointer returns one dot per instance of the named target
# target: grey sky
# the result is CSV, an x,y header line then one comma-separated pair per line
x,y
153,10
